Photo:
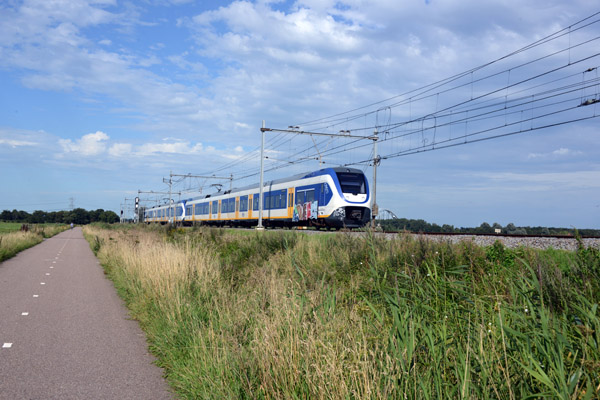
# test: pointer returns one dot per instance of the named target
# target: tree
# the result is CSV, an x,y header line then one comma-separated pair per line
x,y
510,228
6,216
484,228
80,216
447,228
95,215
109,216
38,217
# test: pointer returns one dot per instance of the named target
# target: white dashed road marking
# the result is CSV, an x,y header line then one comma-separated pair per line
x,y
47,273
36,295
24,314
42,283
7,345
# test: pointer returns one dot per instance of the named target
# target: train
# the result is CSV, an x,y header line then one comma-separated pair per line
x,y
330,198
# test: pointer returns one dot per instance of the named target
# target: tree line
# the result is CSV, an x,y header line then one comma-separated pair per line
x,y
419,225
78,216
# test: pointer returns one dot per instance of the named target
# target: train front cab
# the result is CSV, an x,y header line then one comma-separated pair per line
x,y
353,188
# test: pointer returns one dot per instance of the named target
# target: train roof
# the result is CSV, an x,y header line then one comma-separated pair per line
x,y
323,171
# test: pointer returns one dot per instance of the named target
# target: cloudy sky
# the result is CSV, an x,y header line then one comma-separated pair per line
x,y
103,98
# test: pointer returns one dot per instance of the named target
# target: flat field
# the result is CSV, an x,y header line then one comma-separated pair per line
x,y
282,315
6,227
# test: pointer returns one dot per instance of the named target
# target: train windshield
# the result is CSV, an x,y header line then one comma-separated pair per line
x,y
352,182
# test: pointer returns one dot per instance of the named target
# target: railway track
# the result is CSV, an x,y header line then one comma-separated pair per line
x,y
562,242
559,242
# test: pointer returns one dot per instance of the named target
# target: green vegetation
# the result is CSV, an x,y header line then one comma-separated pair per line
x,y
419,225
278,315
13,240
6,227
77,216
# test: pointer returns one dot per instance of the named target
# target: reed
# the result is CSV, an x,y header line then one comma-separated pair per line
x,y
14,242
275,315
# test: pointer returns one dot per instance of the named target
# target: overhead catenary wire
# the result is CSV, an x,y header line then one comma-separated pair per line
x,y
430,87
493,111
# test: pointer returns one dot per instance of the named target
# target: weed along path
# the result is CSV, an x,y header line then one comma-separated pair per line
x,y
64,332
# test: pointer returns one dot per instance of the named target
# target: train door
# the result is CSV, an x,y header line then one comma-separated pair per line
x,y
250,204
321,197
209,210
290,203
219,205
237,208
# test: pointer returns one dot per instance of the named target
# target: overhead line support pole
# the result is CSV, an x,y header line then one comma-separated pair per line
x,y
262,170
376,160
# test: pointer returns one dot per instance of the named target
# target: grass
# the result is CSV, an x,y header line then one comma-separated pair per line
x,y
13,241
275,315
6,227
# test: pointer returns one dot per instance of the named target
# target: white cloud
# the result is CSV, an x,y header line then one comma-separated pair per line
x,y
17,143
97,144
172,148
120,150
561,152
92,144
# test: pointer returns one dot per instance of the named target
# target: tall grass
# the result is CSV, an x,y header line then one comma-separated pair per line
x,y
15,241
284,316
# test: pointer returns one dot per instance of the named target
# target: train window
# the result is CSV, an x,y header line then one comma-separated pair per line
x,y
310,195
300,197
352,182
255,205
282,198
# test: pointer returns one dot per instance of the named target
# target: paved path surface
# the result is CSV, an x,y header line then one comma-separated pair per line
x,y
64,332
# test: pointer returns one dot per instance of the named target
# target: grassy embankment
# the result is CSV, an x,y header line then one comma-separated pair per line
x,y
278,315
12,240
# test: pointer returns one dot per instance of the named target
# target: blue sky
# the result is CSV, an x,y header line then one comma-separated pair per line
x,y
103,98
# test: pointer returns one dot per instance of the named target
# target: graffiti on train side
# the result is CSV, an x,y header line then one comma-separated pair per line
x,y
306,211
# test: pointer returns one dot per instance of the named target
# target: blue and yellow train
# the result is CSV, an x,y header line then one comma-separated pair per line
x,y
327,198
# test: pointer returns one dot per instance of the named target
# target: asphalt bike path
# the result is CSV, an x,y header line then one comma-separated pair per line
x,y
64,332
